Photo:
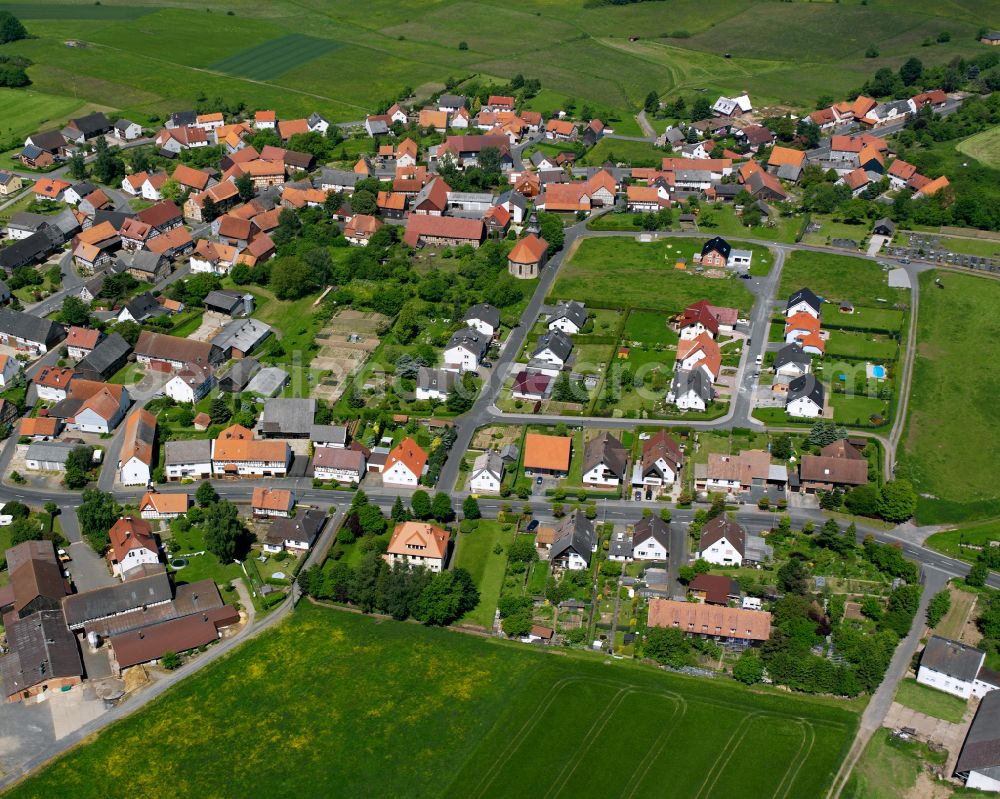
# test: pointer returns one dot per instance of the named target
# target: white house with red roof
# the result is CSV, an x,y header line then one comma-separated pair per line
x,y
132,545
405,465
418,544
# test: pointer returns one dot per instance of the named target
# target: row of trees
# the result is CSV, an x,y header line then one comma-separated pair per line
x,y
401,592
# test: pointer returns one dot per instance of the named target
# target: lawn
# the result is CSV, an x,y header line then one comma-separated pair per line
x,y
27,111
950,419
930,701
953,623
633,153
861,346
722,221
650,328
475,552
200,567
888,768
470,708
623,272
865,318
839,277
984,147
964,542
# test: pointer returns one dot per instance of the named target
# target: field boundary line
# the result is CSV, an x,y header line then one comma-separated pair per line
x,y
792,773
731,745
530,723
587,741
653,753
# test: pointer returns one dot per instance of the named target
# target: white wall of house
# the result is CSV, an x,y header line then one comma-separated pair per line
x,y
803,307
650,549
182,471
600,476
574,562
135,557
399,475
548,356
981,781
50,393
565,325
485,481
459,359
134,472
339,475
431,394
722,553
692,331
690,401
792,370
483,327
89,422
431,564
251,468
942,682
803,407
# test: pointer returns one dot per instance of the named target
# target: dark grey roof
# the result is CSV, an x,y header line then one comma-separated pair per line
x,y
886,223
241,334
123,124
288,416
51,140
195,450
24,220
488,462
806,386
451,101
556,341
652,527
573,311
225,300
981,750
484,312
608,450
91,124
181,119
114,599
83,188
718,244
575,533
239,375
116,218
335,433
314,119
695,380
952,658
338,177
67,224
105,358
28,250
791,353
30,328
377,126
471,339
723,527
789,172
142,306
514,198
49,451
302,527
140,260
538,157
430,379
620,546
807,296
41,648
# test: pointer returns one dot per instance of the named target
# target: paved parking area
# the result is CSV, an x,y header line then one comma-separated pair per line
x,y
929,728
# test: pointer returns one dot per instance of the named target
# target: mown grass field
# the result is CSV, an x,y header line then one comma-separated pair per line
x,y
26,111
930,701
950,421
984,147
839,277
951,542
622,271
889,767
475,552
335,704
154,57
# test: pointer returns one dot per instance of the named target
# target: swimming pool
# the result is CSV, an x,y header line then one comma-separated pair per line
x,y
878,372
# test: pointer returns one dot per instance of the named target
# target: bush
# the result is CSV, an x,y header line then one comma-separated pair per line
x,y
939,606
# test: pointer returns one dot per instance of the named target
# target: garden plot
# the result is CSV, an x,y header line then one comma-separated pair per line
x,y
345,344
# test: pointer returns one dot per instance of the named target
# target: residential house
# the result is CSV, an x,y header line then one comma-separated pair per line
x,y
547,455
140,308
484,318
405,465
732,106
42,656
190,384
272,502
735,473
188,460
552,349
531,385
527,257
691,390
732,627
156,505
575,542
955,668
297,533
700,352
786,163
605,461
52,383
568,317
93,407
804,301
235,453
723,542
715,252
340,465
145,265
805,397
361,227
792,361
137,458
839,465
435,384
213,257
108,357
86,127
132,546
661,462
10,367
418,544
465,350
714,589
487,473
703,317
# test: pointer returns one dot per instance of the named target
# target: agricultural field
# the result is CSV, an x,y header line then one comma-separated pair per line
x,y
948,420
635,274
839,277
27,111
152,58
477,707
984,147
